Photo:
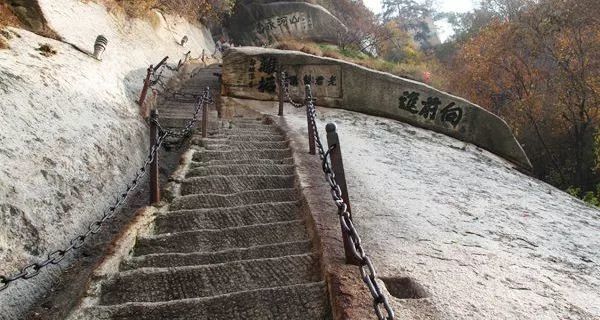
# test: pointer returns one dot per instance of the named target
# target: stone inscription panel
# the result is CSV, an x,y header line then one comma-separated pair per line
x,y
325,80
296,22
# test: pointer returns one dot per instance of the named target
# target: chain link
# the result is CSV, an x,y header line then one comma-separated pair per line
x,y
202,102
285,83
77,242
381,305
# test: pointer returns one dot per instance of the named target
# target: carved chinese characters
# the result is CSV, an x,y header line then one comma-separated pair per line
x,y
297,21
430,108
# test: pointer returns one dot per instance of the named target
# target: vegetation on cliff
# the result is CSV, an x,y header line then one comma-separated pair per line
x,y
537,65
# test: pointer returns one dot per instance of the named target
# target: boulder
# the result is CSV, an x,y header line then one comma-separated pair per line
x,y
266,23
249,72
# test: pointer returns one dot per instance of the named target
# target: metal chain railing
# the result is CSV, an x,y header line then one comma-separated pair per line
x,y
201,104
286,90
367,271
77,242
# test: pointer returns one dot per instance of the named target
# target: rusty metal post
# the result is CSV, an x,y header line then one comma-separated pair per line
x,y
145,88
205,115
311,132
154,177
337,165
280,89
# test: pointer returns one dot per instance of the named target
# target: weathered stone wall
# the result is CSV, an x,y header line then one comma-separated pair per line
x,y
71,136
249,73
264,23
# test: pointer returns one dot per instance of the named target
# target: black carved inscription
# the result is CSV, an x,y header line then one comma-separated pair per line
x,y
332,82
319,80
408,101
430,108
267,84
251,71
268,64
293,80
282,21
308,79
452,114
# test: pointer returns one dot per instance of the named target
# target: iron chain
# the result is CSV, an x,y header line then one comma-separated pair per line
x,y
381,305
285,83
77,242
202,102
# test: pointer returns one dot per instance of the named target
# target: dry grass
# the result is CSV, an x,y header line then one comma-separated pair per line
x,y
46,50
7,17
408,70
294,45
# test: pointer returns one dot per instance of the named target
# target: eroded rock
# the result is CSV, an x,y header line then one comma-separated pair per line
x,y
250,73
263,23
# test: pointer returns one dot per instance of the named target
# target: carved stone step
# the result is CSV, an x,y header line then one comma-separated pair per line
x,y
257,129
244,145
241,169
202,201
222,239
234,184
166,284
274,154
165,260
217,218
285,161
251,137
296,302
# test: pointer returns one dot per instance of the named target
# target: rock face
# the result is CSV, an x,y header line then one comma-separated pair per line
x,y
263,23
250,73
66,122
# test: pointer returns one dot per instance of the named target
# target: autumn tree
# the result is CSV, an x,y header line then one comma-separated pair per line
x,y
536,65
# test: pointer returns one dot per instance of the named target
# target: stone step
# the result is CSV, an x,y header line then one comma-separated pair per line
x,y
296,302
222,239
166,260
202,201
286,161
245,145
251,137
179,113
185,220
255,154
258,130
248,120
166,284
235,184
177,122
253,125
241,169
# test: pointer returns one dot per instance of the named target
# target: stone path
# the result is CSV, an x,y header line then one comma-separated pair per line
x,y
232,245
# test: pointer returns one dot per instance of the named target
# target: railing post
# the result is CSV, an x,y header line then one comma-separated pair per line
x,y
337,165
205,114
145,88
154,177
311,132
280,91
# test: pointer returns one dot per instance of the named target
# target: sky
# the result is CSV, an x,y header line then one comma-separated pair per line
x,y
444,29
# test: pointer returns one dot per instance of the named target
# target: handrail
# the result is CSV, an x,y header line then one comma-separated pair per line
x,y
157,138
333,167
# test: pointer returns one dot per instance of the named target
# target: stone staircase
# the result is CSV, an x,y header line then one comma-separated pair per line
x,y
174,113
232,245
